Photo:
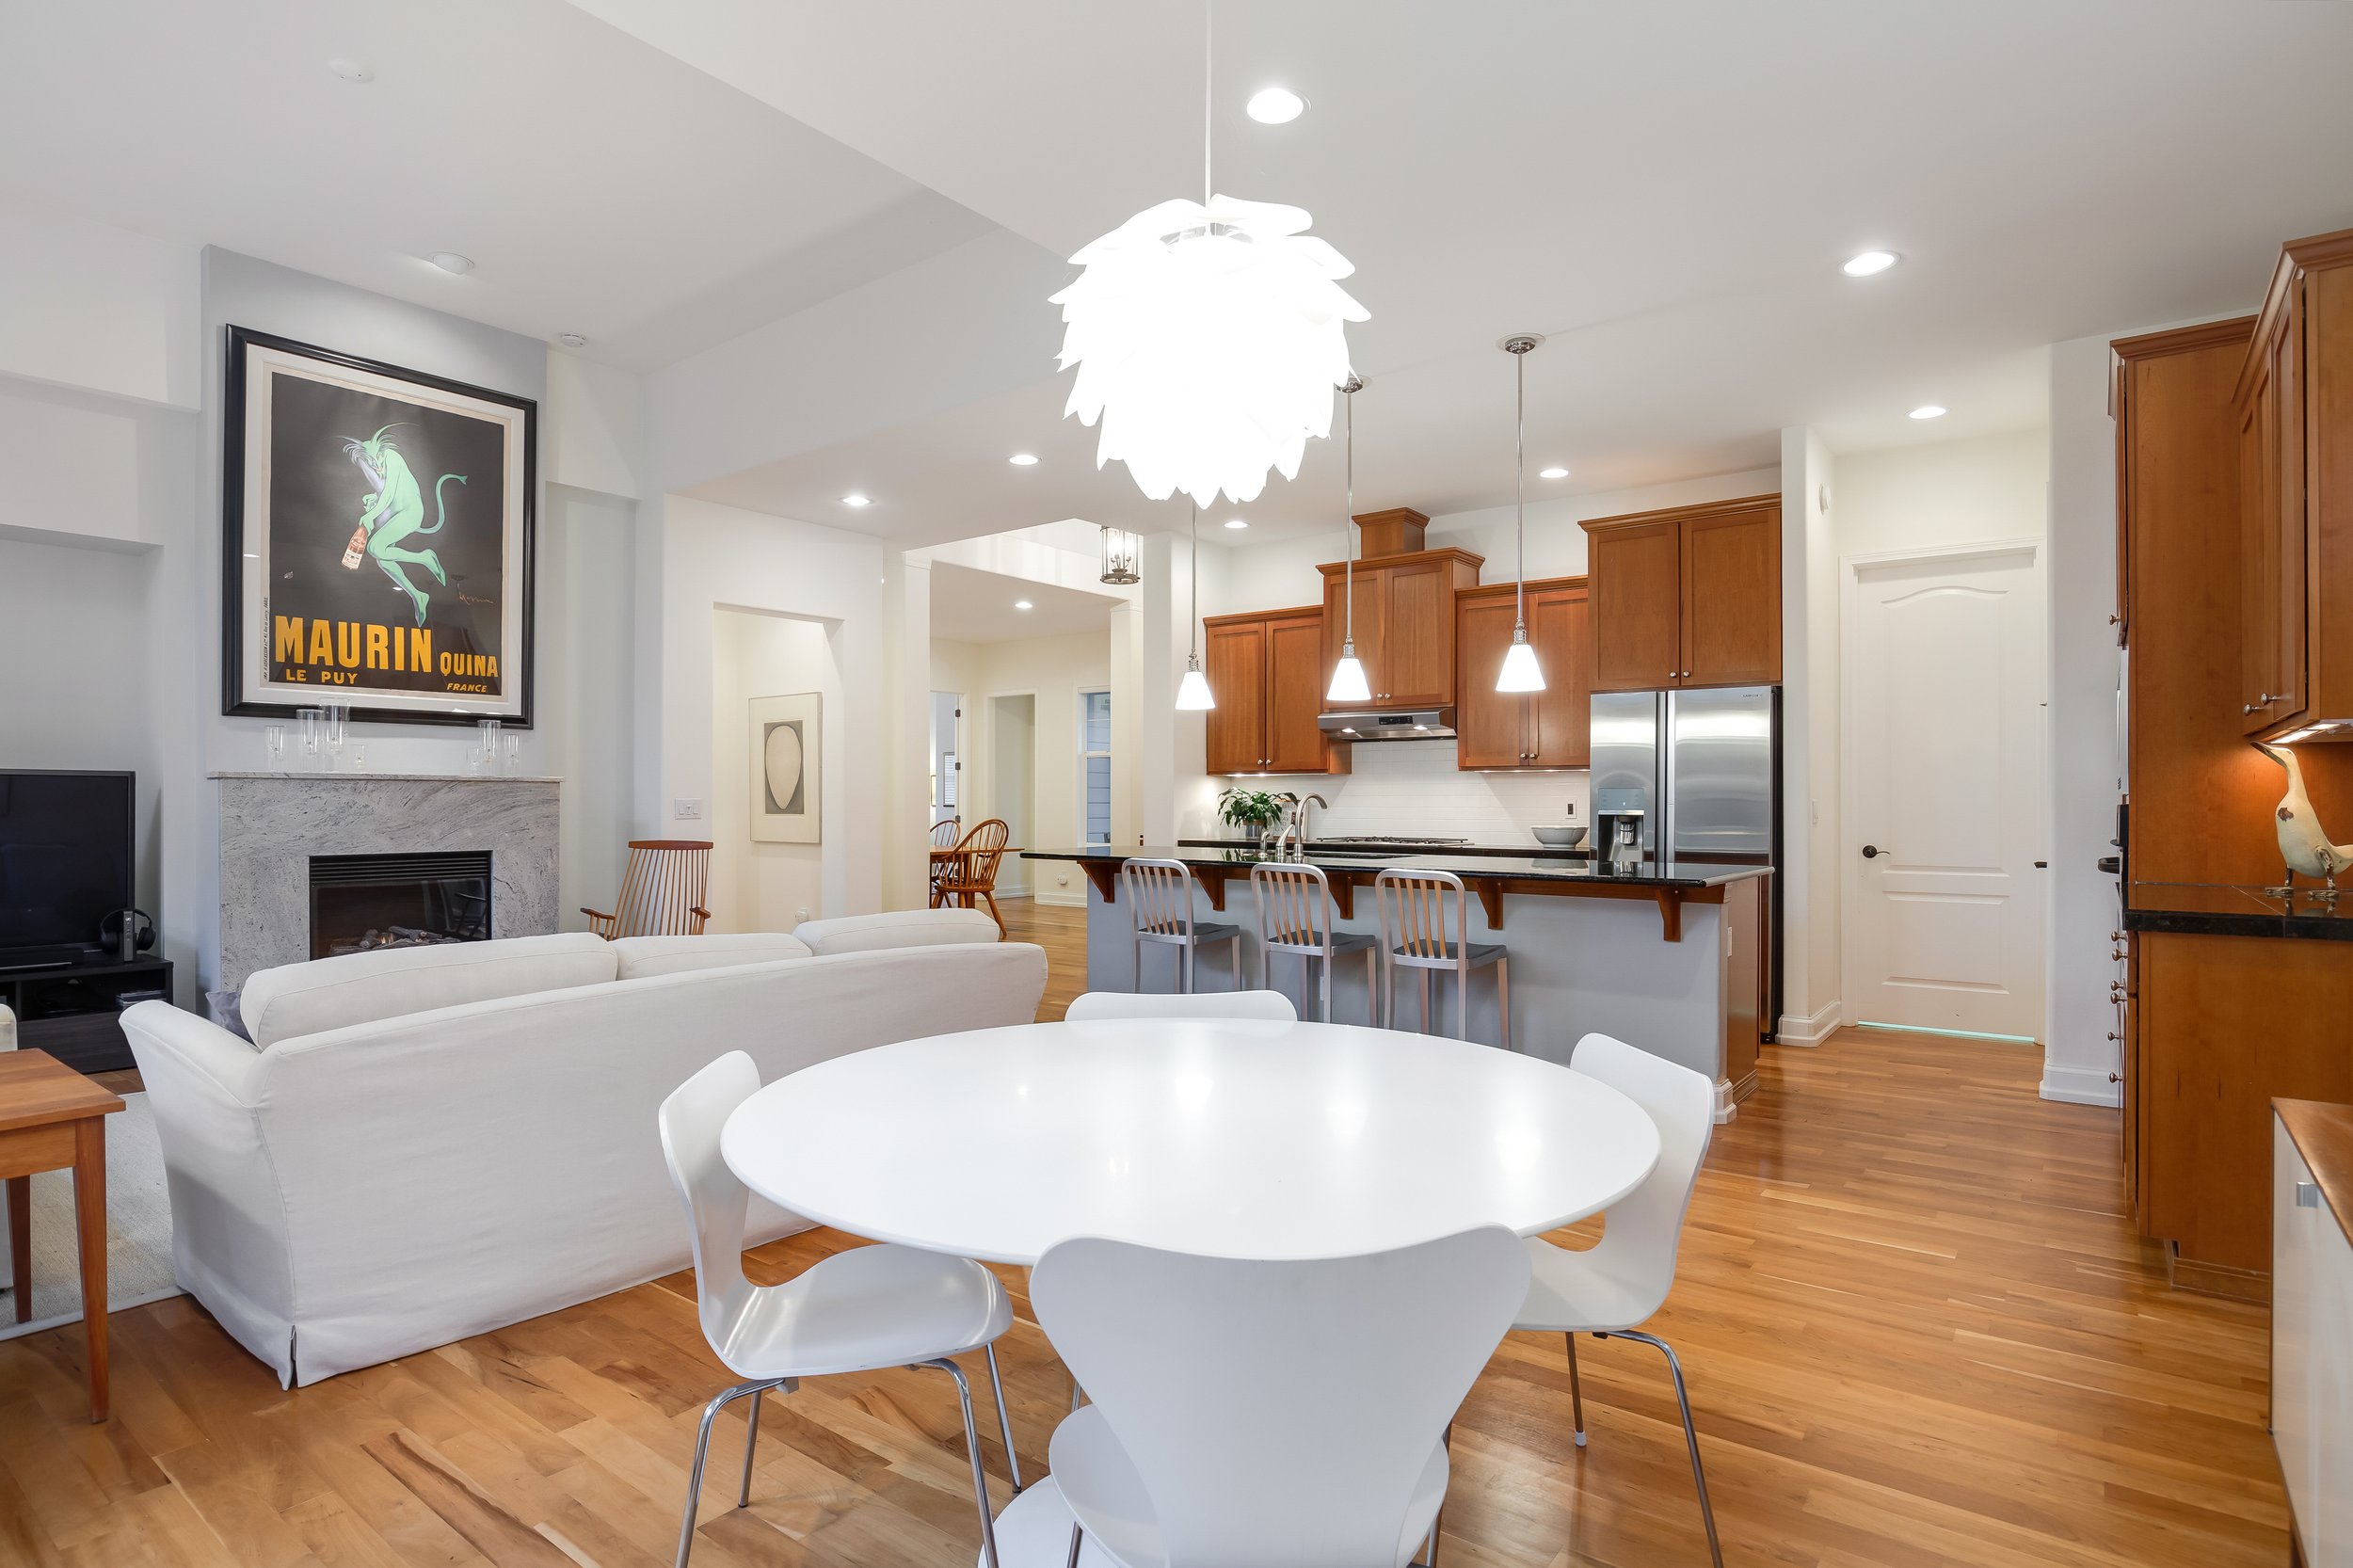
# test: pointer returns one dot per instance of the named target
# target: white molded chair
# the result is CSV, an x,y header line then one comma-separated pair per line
x,y
858,1311
1424,919
1158,895
1611,1290
1272,1006
1295,916
1249,1413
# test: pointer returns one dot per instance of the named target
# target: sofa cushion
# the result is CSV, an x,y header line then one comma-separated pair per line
x,y
644,955
897,928
362,987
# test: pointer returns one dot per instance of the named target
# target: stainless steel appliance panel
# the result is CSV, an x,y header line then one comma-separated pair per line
x,y
1719,771
1626,763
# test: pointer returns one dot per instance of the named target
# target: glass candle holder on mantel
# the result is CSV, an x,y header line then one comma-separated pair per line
x,y
338,728
313,723
274,743
485,752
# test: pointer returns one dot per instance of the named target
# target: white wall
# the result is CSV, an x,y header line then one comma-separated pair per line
x,y
1922,497
98,309
1055,670
767,886
586,695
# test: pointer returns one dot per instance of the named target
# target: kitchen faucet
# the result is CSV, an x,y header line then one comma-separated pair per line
x,y
1294,832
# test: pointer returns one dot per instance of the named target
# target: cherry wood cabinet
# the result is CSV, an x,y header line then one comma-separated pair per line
x,y
1686,597
1404,623
1551,728
2294,419
1266,672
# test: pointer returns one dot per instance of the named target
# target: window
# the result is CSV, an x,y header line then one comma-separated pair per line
x,y
1094,766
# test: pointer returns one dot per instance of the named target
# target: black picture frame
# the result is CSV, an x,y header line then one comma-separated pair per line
x,y
235,699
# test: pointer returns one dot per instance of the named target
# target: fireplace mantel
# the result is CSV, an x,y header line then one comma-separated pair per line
x,y
271,824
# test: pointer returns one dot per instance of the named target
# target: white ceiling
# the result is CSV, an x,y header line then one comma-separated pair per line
x,y
1667,190
972,606
602,187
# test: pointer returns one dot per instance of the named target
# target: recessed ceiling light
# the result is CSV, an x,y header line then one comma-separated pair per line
x,y
1235,523
450,261
1929,410
1555,473
572,340
1023,460
351,70
1275,105
854,499
1021,604
1869,262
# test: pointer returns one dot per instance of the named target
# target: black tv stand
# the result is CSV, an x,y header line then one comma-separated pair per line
x,y
71,1004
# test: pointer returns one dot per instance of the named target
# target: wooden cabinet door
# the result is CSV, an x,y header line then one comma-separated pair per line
x,y
1294,694
2259,558
1730,567
1636,606
1235,660
1560,715
1416,667
1370,599
1491,728
2288,370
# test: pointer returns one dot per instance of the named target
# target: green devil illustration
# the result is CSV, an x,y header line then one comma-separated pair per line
x,y
394,512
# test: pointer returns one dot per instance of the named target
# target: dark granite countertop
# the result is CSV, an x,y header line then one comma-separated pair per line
x,y
1360,851
1567,870
2218,910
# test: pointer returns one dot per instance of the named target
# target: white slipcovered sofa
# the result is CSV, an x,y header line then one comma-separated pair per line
x,y
425,1144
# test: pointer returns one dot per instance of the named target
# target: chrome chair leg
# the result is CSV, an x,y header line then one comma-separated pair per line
x,y
1503,999
702,1452
1429,1542
1691,1433
751,1442
1004,1422
1461,1000
1577,1391
972,1451
1077,1537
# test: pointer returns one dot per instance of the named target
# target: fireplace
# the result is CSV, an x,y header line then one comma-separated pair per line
x,y
366,902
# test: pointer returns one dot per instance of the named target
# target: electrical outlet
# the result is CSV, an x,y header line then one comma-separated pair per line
x,y
800,915
686,809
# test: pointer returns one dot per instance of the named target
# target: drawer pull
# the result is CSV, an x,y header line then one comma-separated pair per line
x,y
2308,1194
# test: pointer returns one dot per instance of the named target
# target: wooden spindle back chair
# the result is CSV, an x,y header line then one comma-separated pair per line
x,y
661,891
971,873
943,838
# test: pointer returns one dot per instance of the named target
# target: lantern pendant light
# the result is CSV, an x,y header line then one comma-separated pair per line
x,y
1122,556
1347,676
1520,672
1193,692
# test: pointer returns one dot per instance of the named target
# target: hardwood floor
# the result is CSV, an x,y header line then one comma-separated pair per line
x,y
1918,1331
1063,933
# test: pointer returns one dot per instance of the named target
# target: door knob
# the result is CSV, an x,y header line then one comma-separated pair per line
x,y
1871,852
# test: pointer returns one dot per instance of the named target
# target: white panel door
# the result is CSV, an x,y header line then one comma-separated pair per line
x,y
1944,662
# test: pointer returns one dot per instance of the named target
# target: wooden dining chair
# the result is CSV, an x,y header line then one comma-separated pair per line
x,y
661,891
971,875
943,838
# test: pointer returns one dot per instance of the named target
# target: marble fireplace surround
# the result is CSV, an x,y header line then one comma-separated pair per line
x,y
271,824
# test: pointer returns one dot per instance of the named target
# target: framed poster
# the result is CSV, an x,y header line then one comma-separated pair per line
x,y
376,539
786,808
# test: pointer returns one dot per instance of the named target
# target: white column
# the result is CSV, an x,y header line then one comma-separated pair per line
x,y
1811,933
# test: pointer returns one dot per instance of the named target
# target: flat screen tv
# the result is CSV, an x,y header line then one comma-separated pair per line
x,y
65,860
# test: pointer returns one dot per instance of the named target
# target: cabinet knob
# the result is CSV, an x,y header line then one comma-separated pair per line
x,y
2116,620
2268,699
2113,1035
2117,956
2115,1077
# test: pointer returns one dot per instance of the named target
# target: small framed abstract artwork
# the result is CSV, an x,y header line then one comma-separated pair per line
x,y
787,808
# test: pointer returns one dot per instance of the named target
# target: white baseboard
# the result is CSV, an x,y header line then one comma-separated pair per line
x,y
1060,897
1726,1107
1811,1029
2080,1086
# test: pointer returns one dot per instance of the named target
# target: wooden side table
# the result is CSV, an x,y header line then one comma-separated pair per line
x,y
52,1118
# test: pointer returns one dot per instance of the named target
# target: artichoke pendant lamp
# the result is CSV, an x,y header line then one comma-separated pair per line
x,y
1520,672
1193,692
1209,336
1347,676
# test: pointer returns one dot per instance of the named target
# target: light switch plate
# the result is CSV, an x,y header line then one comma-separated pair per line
x,y
686,809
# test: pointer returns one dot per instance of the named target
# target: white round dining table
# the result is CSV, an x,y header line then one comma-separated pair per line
x,y
1224,1137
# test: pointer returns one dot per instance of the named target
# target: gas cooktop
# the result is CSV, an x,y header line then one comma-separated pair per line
x,y
1389,838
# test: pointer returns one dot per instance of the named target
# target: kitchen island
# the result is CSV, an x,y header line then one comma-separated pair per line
x,y
1667,956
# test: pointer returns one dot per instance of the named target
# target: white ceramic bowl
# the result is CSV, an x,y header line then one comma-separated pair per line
x,y
1560,838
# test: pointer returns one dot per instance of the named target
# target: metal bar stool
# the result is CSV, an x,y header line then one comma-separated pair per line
x,y
1158,895
1295,916
1425,926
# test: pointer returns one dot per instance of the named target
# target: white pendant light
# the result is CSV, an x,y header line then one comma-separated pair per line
x,y
1520,672
1193,692
1347,676
1209,336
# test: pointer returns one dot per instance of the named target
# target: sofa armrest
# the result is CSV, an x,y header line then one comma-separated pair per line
x,y
207,1089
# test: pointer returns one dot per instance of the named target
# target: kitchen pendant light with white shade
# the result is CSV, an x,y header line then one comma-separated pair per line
x,y
1209,337
1520,672
1347,676
1192,692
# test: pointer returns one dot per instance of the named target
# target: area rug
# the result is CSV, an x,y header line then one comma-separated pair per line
x,y
138,1230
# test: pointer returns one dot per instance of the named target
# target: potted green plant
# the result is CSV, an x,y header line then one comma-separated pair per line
x,y
1259,810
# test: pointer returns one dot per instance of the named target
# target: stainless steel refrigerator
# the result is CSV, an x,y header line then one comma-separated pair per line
x,y
1695,777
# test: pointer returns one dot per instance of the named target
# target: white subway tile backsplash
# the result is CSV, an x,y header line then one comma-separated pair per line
x,y
1414,786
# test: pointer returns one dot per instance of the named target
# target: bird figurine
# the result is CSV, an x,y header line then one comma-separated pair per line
x,y
2303,843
